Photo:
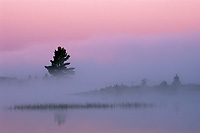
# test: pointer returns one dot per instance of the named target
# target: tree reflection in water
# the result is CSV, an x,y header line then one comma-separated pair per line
x,y
60,117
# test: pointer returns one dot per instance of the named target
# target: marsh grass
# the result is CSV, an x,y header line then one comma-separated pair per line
x,y
78,106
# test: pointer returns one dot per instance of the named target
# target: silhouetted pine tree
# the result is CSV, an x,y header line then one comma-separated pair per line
x,y
58,65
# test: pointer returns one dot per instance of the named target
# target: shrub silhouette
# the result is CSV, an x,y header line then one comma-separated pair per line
x,y
58,65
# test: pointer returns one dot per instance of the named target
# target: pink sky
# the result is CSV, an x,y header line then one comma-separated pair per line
x,y
25,21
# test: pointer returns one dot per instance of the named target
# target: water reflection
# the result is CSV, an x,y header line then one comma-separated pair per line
x,y
163,119
60,117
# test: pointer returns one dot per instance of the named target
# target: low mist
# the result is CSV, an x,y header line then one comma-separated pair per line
x,y
99,63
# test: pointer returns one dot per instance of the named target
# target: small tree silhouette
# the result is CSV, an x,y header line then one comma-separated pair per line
x,y
58,65
176,81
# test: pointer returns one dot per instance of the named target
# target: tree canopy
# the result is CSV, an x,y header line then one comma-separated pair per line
x,y
58,65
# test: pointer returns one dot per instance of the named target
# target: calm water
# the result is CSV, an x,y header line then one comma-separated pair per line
x,y
175,112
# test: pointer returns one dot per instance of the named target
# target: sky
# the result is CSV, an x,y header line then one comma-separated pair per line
x,y
122,40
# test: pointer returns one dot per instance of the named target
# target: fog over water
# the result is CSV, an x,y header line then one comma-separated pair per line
x,y
110,74
174,110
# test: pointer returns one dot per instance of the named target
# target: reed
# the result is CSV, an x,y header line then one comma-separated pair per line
x,y
52,106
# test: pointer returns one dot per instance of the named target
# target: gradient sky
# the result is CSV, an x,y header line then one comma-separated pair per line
x,y
160,34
